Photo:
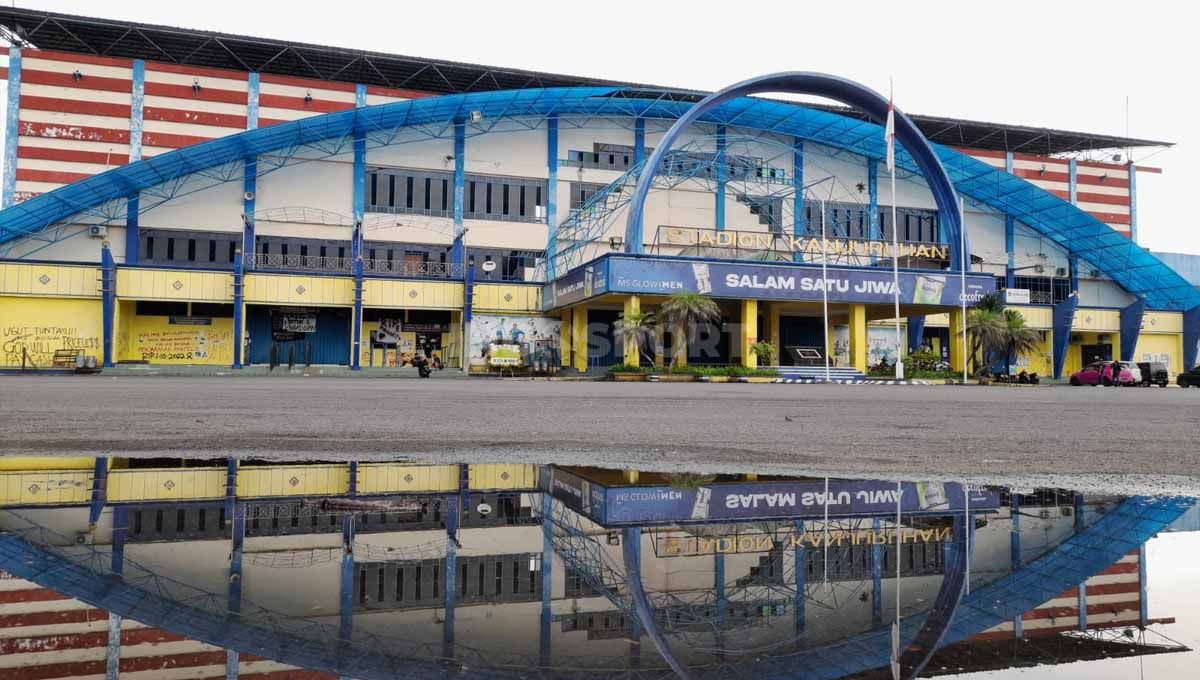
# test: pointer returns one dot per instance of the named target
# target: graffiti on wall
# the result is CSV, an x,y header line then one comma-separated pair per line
x,y
192,345
36,344
521,330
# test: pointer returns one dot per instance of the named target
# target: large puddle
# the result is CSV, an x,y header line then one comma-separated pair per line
x,y
379,570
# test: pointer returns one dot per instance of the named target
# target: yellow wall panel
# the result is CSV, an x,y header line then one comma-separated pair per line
x,y
49,280
404,293
162,284
1035,317
156,340
43,463
502,476
401,478
45,488
1154,346
293,480
279,289
1104,320
35,327
166,484
507,297
1163,322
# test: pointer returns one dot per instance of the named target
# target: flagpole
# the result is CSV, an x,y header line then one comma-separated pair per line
x,y
826,540
889,135
825,293
962,278
896,624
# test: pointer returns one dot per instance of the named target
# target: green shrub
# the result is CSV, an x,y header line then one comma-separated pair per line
x,y
627,368
732,371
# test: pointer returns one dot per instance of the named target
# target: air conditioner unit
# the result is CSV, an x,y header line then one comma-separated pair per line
x,y
1060,272
1067,511
1103,338
98,231
1075,337
1044,514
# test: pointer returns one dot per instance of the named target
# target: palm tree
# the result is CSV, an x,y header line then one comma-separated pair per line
x,y
986,330
1019,338
683,313
637,328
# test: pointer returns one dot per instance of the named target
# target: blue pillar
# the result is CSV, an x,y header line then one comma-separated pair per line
x,y
1010,229
1073,271
1131,327
1081,602
356,346
1191,337
460,169
551,194
877,576
250,173
108,291
356,245
547,617
112,669
99,491
799,225
450,583
11,128
721,178
137,105
1014,537
346,609
916,332
873,231
237,535
1133,222
239,343
1143,603
721,601
1063,315
798,600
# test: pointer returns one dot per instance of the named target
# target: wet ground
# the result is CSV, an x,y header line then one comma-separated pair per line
x,y
1126,440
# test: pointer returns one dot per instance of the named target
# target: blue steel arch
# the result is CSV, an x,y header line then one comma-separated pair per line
x,y
1095,243
839,89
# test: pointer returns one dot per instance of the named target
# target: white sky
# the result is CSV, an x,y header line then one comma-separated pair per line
x,y
1067,65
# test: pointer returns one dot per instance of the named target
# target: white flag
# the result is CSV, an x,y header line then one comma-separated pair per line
x,y
889,136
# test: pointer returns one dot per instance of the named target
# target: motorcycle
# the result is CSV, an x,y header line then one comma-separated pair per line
x,y
422,364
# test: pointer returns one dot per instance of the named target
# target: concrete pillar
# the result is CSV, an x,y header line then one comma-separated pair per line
x,y
773,330
564,338
630,475
579,338
633,355
956,341
749,332
830,348
858,337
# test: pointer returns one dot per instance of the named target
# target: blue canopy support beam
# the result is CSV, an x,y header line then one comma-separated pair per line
x,y
631,550
1133,219
112,656
1063,315
108,292
547,615
799,227
722,179
239,309
873,230
460,169
721,601
250,172
11,129
876,576
551,195
450,589
1014,537
237,534
99,491
1191,337
1131,328
916,332
798,601
1081,590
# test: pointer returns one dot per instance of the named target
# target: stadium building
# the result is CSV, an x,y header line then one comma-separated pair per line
x,y
176,196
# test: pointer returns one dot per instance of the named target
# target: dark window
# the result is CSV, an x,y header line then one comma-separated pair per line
x,y
472,197
505,199
521,202
374,189
303,251
487,208
341,252
149,247
445,195
537,196
391,191
212,250
427,192
283,249
218,310
170,249
322,251
408,192
232,250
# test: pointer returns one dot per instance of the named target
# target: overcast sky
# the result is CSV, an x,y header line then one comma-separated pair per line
x,y
1067,65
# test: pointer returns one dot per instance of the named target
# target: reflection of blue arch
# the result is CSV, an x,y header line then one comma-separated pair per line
x,y
840,89
1095,243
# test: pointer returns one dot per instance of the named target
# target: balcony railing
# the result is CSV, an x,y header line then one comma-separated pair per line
x,y
314,263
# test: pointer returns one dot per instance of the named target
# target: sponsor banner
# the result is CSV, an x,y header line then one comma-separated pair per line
x,y
577,493
691,546
790,282
578,284
425,327
1016,296
763,500
758,242
189,320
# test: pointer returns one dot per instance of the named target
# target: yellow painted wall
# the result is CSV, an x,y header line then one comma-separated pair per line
x,y
161,284
156,340
400,293
43,463
507,297
42,325
293,480
281,289
408,341
400,478
1161,343
1162,322
1039,362
49,280
45,487
502,476
1100,320
166,484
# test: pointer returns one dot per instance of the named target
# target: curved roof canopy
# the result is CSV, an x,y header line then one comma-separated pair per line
x,y
1095,243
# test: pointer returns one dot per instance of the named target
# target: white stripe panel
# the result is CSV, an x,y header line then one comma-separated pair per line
x,y
53,65
191,129
1106,189
195,105
99,653
114,148
1035,624
213,82
16,584
76,93
994,162
1113,598
64,166
36,187
96,626
373,99
1107,579
1052,165
14,608
297,91
1049,185
196,672
272,113
1114,172
74,119
1104,208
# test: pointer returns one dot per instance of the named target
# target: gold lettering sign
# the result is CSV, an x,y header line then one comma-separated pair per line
x,y
691,546
810,246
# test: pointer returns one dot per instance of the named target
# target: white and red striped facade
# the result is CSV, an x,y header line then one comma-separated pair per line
x,y
80,115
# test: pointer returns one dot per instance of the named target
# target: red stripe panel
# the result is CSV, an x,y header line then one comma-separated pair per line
x,y
132,665
393,92
71,57
227,120
75,106
988,153
54,643
1120,568
52,618
72,155
198,71
1111,218
4,72
264,122
1035,175
53,176
34,77
29,594
306,82
208,94
1106,589
1119,182
1038,159
280,101
80,132
1063,612
171,141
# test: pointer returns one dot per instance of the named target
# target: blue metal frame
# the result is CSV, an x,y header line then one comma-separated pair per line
x,y
1072,182
799,600
799,224
873,104
877,577
722,179
915,327
136,116
631,550
1010,234
239,312
551,190
1134,269
1131,328
1191,337
1014,538
1133,223
108,293
11,129
1062,315
546,618
250,175
112,666
460,174
873,230
99,490
237,543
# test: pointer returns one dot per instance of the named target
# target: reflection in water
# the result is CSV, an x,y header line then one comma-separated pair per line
x,y
401,570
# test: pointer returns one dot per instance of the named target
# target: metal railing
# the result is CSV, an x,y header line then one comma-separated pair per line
x,y
445,270
301,262
316,263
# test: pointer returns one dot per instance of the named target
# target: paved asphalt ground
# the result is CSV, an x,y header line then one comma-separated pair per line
x,y
1120,439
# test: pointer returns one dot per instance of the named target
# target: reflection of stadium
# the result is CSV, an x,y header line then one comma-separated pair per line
x,y
496,570
184,175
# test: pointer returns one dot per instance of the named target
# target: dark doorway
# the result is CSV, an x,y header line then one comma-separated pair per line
x,y
1090,353
800,331
327,343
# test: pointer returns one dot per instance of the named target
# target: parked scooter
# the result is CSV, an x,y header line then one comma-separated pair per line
x,y
422,364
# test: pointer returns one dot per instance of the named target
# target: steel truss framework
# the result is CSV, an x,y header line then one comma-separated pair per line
x,y
169,175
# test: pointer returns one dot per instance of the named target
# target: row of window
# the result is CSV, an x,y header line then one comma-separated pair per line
x,y
431,192
489,578
189,249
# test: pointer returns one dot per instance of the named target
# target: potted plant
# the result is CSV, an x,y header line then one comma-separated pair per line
x,y
627,373
638,329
